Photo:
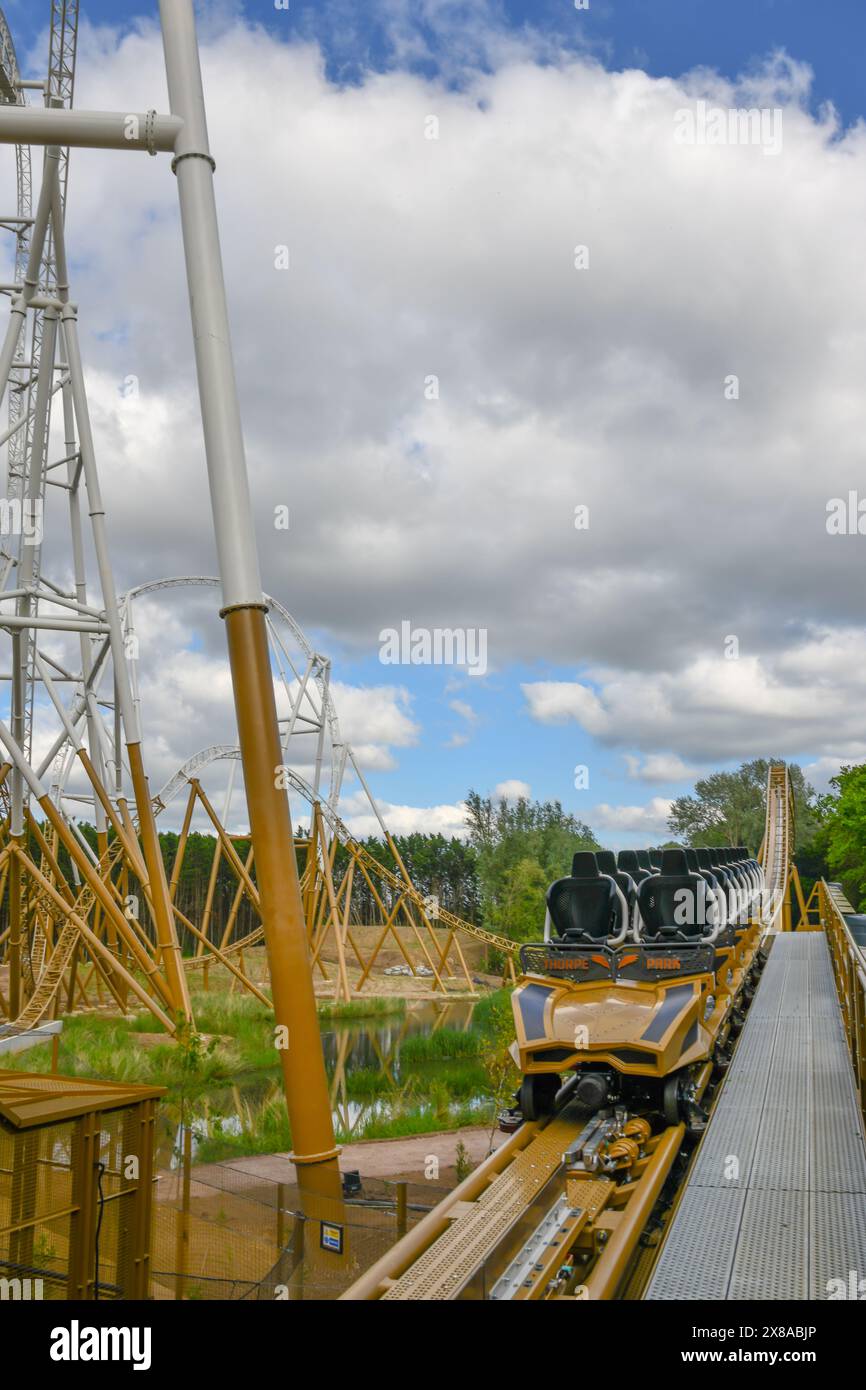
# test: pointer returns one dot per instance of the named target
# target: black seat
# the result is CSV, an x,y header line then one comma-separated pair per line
x,y
655,858
606,861
735,863
628,862
587,906
751,865
673,903
705,867
699,863
729,884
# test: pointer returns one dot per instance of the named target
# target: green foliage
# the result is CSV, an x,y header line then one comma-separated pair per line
x,y
462,1163
728,808
521,847
492,1010
500,1071
841,837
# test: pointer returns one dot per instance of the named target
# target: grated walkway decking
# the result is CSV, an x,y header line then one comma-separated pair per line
x,y
775,1205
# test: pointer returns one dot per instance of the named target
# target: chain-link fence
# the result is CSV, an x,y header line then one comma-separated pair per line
x,y
222,1232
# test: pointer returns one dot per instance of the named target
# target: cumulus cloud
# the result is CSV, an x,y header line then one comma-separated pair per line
x,y
806,695
477,230
658,767
651,819
512,790
448,820
413,258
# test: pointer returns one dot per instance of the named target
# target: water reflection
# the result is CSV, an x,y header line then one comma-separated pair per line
x,y
359,1053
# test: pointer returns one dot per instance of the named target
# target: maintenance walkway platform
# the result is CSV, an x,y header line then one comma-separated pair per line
x,y
775,1204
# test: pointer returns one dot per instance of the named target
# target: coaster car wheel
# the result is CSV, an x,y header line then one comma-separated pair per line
x,y
537,1095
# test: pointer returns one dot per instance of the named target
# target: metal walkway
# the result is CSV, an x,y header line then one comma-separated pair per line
x,y
775,1204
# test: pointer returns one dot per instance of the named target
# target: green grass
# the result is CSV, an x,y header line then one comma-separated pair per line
x,y
462,1080
419,1120
107,1048
361,1008
364,1083
441,1046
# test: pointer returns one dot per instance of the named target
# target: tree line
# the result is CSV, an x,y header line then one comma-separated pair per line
x,y
498,874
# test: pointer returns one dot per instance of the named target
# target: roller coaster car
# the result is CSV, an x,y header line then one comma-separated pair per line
x,y
636,986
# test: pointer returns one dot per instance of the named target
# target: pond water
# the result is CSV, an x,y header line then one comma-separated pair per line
x,y
371,1046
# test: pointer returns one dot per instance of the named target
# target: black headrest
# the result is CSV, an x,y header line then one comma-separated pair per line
x,y
606,861
692,859
627,861
674,861
643,859
655,856
705,860
584,865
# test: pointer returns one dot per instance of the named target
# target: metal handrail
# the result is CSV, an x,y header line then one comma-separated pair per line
x,y
849,971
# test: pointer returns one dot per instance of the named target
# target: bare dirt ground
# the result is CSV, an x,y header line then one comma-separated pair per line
x,y
384,1158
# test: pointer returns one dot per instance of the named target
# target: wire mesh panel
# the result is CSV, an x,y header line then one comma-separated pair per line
x,y
76,1179
223,1233
35,1189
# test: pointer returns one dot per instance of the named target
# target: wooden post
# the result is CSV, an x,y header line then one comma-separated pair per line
x,y
402,1207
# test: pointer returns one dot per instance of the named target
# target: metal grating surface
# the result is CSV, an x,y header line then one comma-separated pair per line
x,y
451,1261
775,1205
842,1218
704,1235
772,1237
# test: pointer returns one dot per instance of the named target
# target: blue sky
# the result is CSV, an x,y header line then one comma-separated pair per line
x,y
483,732
664,37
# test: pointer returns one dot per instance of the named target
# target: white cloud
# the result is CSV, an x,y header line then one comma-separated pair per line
x,y
658,767
406,820
819,772
376,714
651,819
807,696
512,790
464,248
459,263
464,709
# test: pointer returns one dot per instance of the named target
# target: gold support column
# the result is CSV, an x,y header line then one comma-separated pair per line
x,y
281,907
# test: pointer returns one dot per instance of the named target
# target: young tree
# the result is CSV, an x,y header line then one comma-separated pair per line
x,y
521,847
